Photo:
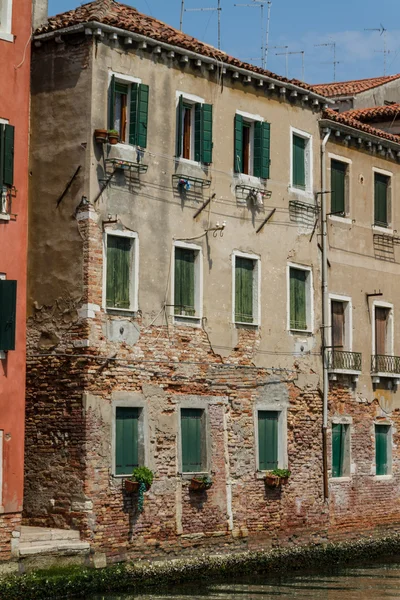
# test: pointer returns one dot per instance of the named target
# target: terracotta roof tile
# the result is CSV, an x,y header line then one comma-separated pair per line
x,y
110,12
349,88
349,119
375,113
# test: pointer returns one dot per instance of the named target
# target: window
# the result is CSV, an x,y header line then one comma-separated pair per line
x,y
8,307
5,20
301,167
246,289
338,309
252,147
187,281
268,427
340,450
121,285
382,316
129,106
382,449
300,309
193,440
127,446
6,166
381,199
195,129
338,187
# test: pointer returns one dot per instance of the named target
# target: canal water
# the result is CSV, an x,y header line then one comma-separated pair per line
x,y
371,582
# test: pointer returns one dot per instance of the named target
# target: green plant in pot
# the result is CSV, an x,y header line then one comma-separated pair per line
x,y
276,477
142,478
201,482
113,136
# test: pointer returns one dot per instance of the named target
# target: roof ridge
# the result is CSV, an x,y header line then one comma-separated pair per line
x,y
100,9
357,80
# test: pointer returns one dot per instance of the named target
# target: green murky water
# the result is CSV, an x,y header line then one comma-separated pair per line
x,y
372,582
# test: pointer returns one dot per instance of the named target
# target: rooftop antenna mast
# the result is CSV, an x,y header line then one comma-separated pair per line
x,y
287,53
382,30
281,53
259,4
334,62
267,36
218,9
182,11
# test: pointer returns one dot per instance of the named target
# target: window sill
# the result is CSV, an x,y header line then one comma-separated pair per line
x,y
343,479
383,477
4,217
307,193
7,37
249,179
188,161
386,375
187,320
187,476
338,219
344,371
123,311
242,324
379,229
300,331
262,474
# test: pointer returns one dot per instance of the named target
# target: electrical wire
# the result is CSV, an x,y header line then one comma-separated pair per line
x,y
24,54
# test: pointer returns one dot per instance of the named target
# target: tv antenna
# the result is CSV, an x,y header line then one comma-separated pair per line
x,y
217,9
261,5
334,62
287,53
382,30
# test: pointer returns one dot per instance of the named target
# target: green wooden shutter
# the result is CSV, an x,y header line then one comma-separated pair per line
x,y
338,449
298,309
244,281
207,134
338,186
299,164
1,155
118,271
133,114
126,440
381,449
191,432
267,440
238,145
111,105
262,135
8,307
142,115
381,192
198,132
8,173
180,127
184,298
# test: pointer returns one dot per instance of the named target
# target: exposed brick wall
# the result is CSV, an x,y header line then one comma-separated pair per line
x,y
9,525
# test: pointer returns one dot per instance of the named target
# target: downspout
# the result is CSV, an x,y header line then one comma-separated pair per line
x,y
325,314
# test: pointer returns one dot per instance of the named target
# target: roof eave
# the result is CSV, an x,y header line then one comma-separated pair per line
x,y
359,133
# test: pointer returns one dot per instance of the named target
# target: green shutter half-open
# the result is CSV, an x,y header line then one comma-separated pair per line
x,y
126,440
191,434
238,145
338,449
381,196
338,187
262,135
244,281
133,114
198,131
299,164
118,271
8,307
268,440
142,115
207,134
179,128
111,103
8,172
381,449
298,309
184,298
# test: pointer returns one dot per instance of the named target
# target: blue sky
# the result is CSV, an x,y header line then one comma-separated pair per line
x,y
298,24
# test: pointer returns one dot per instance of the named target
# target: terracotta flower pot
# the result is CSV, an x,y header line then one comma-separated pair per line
x,y
272,481
113,138
101,136
131,486
197,484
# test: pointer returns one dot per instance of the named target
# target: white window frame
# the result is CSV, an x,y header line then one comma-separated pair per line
x,y
390,329
198,284
142,429
188,99
389,475
119,77
134,282
348,187
348,320
282,434
378,228
308,158
251,119
6,21
309,297
349,466
256,288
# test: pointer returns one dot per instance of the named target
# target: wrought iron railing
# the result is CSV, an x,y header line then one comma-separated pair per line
x,y
381,363
346,361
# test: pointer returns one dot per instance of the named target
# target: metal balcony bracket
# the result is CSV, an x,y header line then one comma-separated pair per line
x,y
126,165
243,188
187,181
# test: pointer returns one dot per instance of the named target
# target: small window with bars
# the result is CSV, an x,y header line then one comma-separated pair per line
x,y
121,272
382,449
340,449
300,299
193,440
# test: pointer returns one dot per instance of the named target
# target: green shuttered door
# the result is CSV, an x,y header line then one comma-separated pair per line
x,y
381,449
338,186
262,136
184,282
126,440
298,311
238,149
8,306
244,271
338,449
381,192
299,166
191,430
118,271
268,440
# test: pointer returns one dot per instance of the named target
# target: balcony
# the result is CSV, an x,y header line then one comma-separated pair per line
x,y
385,366
347,363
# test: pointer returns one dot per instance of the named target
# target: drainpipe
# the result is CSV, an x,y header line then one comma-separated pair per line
x,y
325,313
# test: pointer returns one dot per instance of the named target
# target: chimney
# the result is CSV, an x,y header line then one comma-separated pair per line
x,y
39,13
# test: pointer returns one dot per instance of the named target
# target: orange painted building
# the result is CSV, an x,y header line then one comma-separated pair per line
x,y
15,32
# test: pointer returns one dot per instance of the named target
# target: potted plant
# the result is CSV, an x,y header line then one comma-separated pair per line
x,y
276,477
113,136
201,482
101,136
142,478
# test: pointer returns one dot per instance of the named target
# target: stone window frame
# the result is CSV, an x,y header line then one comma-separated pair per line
x,y
134,284
281,409
130,400
309,298
308,159
348,320
389,424
6,21
256,289
195,320
250,118
348,187
343,420
199,403
189,99
128,79
391,195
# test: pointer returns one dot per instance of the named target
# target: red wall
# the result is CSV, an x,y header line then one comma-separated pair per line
x,y
14,106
